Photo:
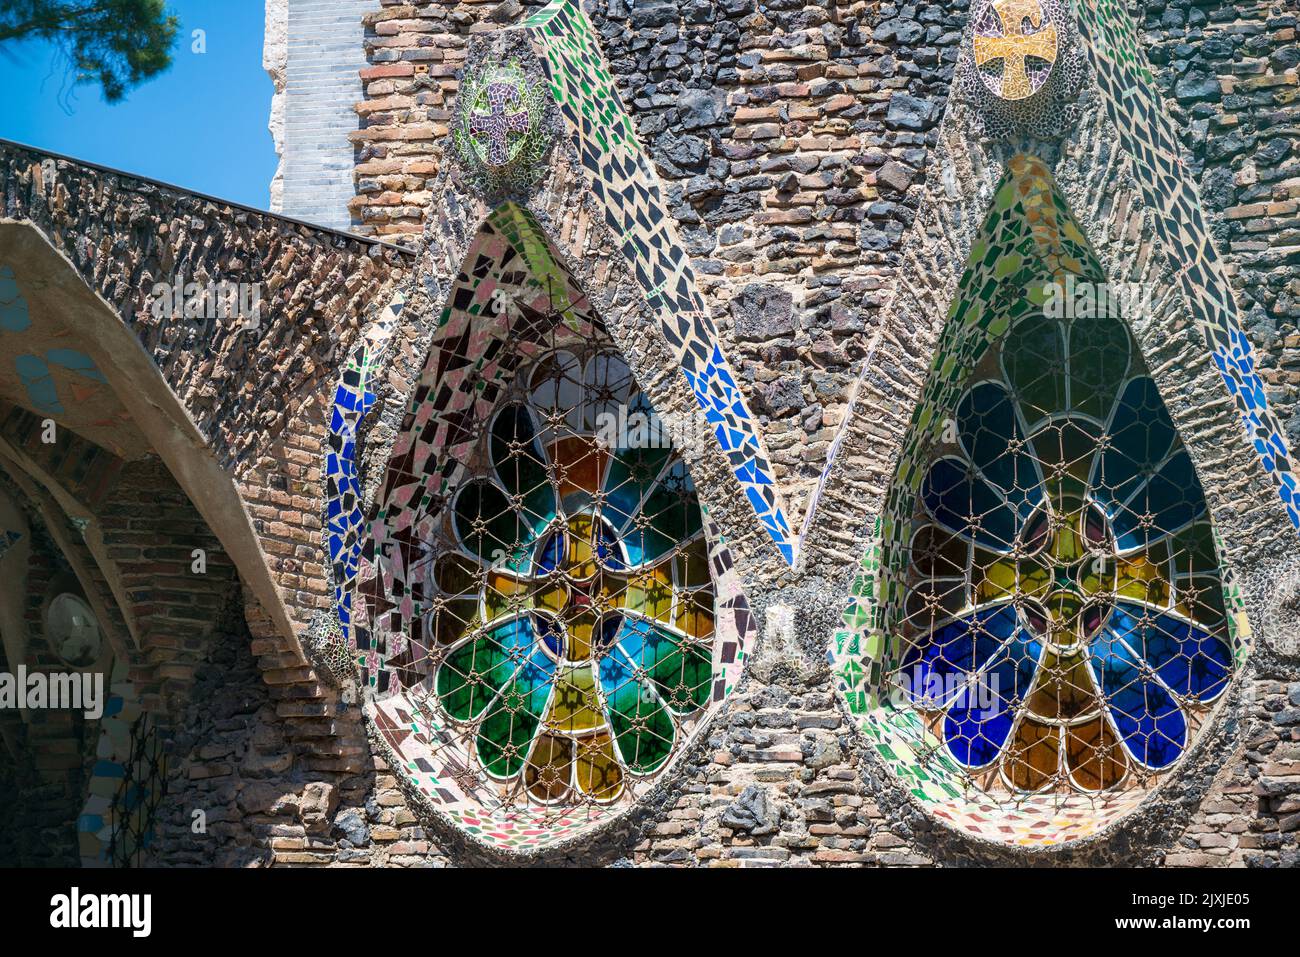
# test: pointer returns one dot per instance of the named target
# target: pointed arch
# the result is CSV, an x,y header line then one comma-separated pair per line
x,y
1030,235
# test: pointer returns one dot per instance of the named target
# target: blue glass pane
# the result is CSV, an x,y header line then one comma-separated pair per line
x,y
1145,714
1189,660
1172,497
933,669
988,426
1141,435
969,506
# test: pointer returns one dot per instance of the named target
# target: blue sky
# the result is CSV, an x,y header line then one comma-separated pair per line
x,y
200,125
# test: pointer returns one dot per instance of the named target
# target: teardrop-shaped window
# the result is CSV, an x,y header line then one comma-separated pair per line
x,y
1055,631
546,602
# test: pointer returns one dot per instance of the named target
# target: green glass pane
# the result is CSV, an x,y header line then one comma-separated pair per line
x,y
505,735
521,464
671,514
471,676
643,729
684,678
632,473
1194,550
489,527
1033,356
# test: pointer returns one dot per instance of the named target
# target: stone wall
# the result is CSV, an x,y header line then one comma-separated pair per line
x,y
263,800
1229,71
793,141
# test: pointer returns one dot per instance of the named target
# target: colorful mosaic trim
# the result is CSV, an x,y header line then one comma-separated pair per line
x,y
626,189
128,782
354,397
1029,239
1147,133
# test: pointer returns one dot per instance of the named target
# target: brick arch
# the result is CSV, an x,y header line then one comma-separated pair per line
x,y
154,409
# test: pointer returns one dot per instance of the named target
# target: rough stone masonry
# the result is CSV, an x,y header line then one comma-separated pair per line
x,y
797,146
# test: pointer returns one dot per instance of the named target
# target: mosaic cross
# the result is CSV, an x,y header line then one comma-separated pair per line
x,y
1014,45
499,124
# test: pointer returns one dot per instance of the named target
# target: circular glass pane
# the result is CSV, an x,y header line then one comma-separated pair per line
x,y
73,631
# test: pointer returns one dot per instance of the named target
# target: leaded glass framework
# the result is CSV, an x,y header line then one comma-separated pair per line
x,y
1064,626
573,611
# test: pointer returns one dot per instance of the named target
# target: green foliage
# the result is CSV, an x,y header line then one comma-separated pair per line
x,y
116,43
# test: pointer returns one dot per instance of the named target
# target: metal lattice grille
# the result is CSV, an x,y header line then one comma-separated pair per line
x,y
1064,624
139,795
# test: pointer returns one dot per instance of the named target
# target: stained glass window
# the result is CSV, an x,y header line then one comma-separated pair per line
x,y
1064,625
572,620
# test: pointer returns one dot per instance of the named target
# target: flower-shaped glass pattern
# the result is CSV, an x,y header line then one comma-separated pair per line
x,y
1064,625
572,622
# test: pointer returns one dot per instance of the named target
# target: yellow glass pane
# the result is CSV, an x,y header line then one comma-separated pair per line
x,y
549,767
1032,761
695,614
580,556
1035,579
1067,545
580,622
1137,578
1093,755
997,582
505,595
574,706
650,592
1063,688
692,564
599,773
